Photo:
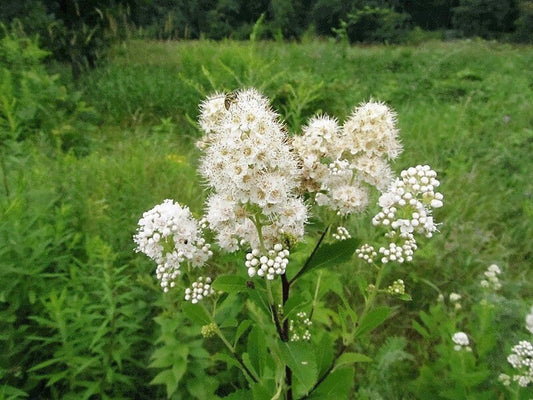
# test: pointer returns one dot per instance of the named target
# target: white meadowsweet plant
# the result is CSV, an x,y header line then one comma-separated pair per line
x,y
264,189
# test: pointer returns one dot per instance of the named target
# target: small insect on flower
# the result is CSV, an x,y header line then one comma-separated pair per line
x,y
230,99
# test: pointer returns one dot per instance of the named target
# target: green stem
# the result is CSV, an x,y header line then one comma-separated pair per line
x,y
231,348
304,267
236,356
4,170
315,297
372,295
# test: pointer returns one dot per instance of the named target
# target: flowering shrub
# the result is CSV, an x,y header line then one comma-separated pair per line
x,y
264,189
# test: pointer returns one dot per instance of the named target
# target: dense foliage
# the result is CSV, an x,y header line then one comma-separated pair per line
x,y
82,316
81,31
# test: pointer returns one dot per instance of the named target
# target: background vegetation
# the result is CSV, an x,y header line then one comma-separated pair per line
x,y
81,31
81,315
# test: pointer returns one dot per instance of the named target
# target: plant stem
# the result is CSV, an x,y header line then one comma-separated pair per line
x,y
235,355
4,171
315,297
372,295
230,347
285,289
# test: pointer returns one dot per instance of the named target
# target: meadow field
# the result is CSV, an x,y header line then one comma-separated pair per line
x,y
81,313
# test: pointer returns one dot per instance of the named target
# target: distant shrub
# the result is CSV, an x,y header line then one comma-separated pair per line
x,y
485,18
524,23
376,25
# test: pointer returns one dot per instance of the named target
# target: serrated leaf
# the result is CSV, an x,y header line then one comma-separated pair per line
x,y
337,385
196,313
351,358
331,254
372,320
230,283
301,360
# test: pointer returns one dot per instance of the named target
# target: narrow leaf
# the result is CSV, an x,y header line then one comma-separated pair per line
x,y
372,320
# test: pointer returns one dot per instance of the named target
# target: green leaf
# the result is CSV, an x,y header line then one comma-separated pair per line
x,y
372,320
405,297
257,350
351,358
337,385
324,353
170,377
421,330
243,326
295,302
240,395
230,283
196,313
300,358
330,255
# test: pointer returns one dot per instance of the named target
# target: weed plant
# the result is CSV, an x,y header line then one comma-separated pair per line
x,y
80,315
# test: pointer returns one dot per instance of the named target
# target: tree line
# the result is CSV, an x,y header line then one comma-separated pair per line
x,y
79,31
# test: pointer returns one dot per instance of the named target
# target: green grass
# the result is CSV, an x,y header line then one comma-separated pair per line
x,y
465,108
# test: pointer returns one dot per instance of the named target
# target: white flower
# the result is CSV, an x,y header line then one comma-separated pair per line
x,y
199,290
521,358
461,341
341,234
254,174
408,203
455,297
268,265
340,164
529,321
371,130
400,249
491,280
169,235
367,253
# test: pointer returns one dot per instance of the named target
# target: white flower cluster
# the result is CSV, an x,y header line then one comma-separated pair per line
x,y
199,290
461,341
268,265
254,174
367,253
529,320
341,234
455,297
492,281
407,205
397,288
170,235
521,358
299,330
340,163
400,249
